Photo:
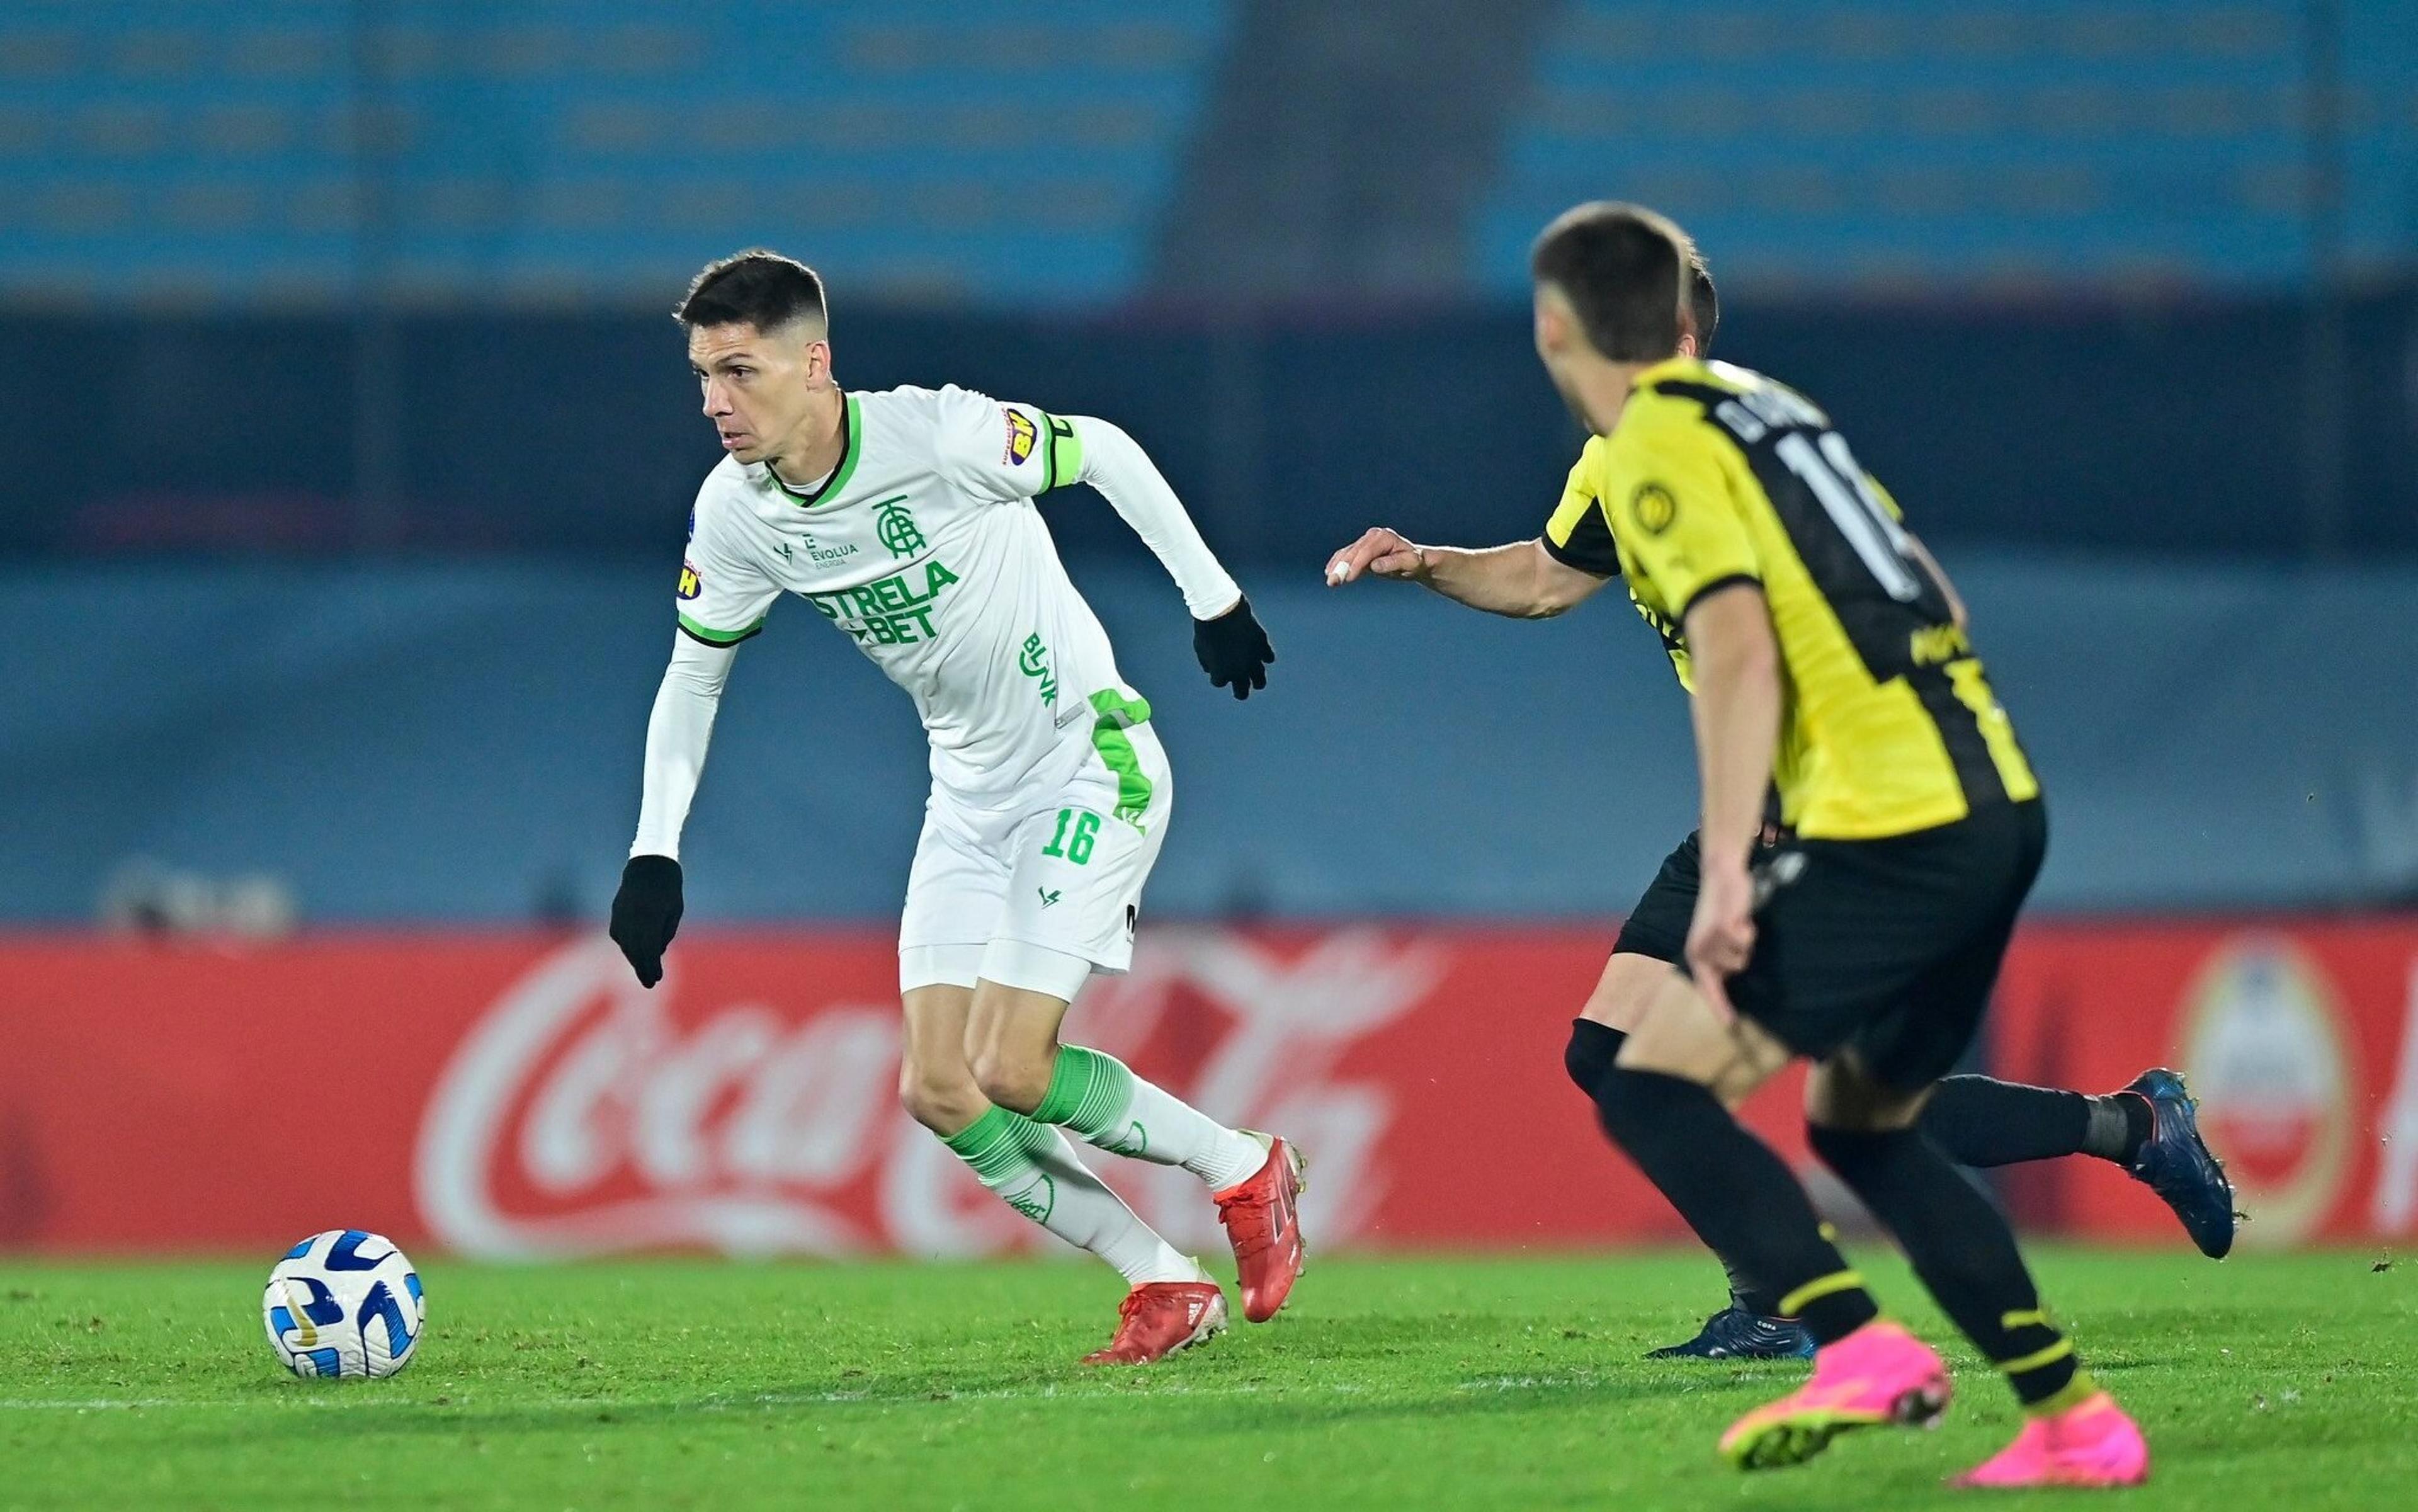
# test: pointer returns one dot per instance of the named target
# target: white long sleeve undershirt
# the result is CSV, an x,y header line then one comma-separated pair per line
x,y
677,733
1115,464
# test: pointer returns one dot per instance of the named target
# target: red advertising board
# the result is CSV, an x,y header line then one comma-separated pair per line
x,y
519,1095
2300,1041
523,1096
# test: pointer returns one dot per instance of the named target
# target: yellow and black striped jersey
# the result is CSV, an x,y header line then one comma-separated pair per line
x,y
1716,476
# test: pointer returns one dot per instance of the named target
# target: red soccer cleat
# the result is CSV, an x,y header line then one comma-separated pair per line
x,y
1263,1223
1160,1318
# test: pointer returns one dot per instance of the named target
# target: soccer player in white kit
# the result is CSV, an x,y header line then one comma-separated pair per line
x,y
906,518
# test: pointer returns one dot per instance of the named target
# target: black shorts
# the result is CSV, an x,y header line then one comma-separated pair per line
x,y
1890,947
1658,926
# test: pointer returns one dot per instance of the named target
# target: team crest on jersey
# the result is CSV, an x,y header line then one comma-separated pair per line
x,y
897,528
1654,508
691,584
1021,436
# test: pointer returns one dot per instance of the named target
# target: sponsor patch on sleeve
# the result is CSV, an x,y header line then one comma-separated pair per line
x,y
690,584
1021,436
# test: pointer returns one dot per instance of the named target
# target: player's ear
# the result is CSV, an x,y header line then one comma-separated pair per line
x,y
1549,324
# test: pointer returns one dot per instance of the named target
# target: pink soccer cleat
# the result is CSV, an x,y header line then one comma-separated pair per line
x,y
2090,1443
1876,1375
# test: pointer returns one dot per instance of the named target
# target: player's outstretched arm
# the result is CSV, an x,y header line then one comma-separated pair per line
x,y
647,909
1521,581
1226,636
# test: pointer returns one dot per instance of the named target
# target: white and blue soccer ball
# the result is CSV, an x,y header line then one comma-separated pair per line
x,y
344,1303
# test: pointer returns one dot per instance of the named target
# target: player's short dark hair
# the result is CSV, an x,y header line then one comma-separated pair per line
x,y
755,287
1620,265
1704,301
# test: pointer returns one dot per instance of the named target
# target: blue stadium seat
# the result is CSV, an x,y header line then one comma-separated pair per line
x,y
547,150
2000,143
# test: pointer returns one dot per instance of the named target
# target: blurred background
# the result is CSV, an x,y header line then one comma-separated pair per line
x,y
348,447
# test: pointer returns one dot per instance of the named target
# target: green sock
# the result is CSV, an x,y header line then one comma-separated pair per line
x,y
1001,1147
1096,1097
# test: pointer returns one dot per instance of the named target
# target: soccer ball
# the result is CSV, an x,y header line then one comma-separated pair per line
x,y
343,1302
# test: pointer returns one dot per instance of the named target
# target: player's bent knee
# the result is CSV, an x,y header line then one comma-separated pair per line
x,y
1680,1037
1635,1108
1012,1043
944,1101
1841,1094
1590,1053
1011,1075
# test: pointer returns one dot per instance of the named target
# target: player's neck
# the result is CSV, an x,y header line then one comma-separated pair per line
x,y
814,448
1604,390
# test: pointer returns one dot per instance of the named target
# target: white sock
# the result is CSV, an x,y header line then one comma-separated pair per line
x,y
1091,1216
1035,1170
1098,1098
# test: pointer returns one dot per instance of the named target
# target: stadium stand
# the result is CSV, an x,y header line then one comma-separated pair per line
x,y
543,151
2003,143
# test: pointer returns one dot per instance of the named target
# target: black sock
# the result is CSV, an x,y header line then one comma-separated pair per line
x,y
1736,1195
1963,1252
2120,1123
1593,1049
1980,1121
1591,1052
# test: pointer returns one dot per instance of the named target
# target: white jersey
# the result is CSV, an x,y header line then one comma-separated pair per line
x,y
923,545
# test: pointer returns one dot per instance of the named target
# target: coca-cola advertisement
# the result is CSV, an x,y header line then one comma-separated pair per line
x,y
520,1095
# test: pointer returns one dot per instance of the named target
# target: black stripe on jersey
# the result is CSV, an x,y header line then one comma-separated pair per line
x,y
749,634
1960,730
1880,628
1590,548
1707,590
1052,429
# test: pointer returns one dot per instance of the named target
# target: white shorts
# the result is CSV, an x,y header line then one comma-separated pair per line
x,y
1046,888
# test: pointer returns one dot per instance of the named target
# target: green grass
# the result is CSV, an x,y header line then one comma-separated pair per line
x,y
2265,1382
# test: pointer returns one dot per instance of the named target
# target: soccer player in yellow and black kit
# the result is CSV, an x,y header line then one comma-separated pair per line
x,y
2148,1128
1830,662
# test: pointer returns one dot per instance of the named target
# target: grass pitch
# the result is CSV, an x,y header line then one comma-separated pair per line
x,y
1448,1382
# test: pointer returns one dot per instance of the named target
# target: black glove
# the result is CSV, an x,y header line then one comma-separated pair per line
x,y
647,914
1233,649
